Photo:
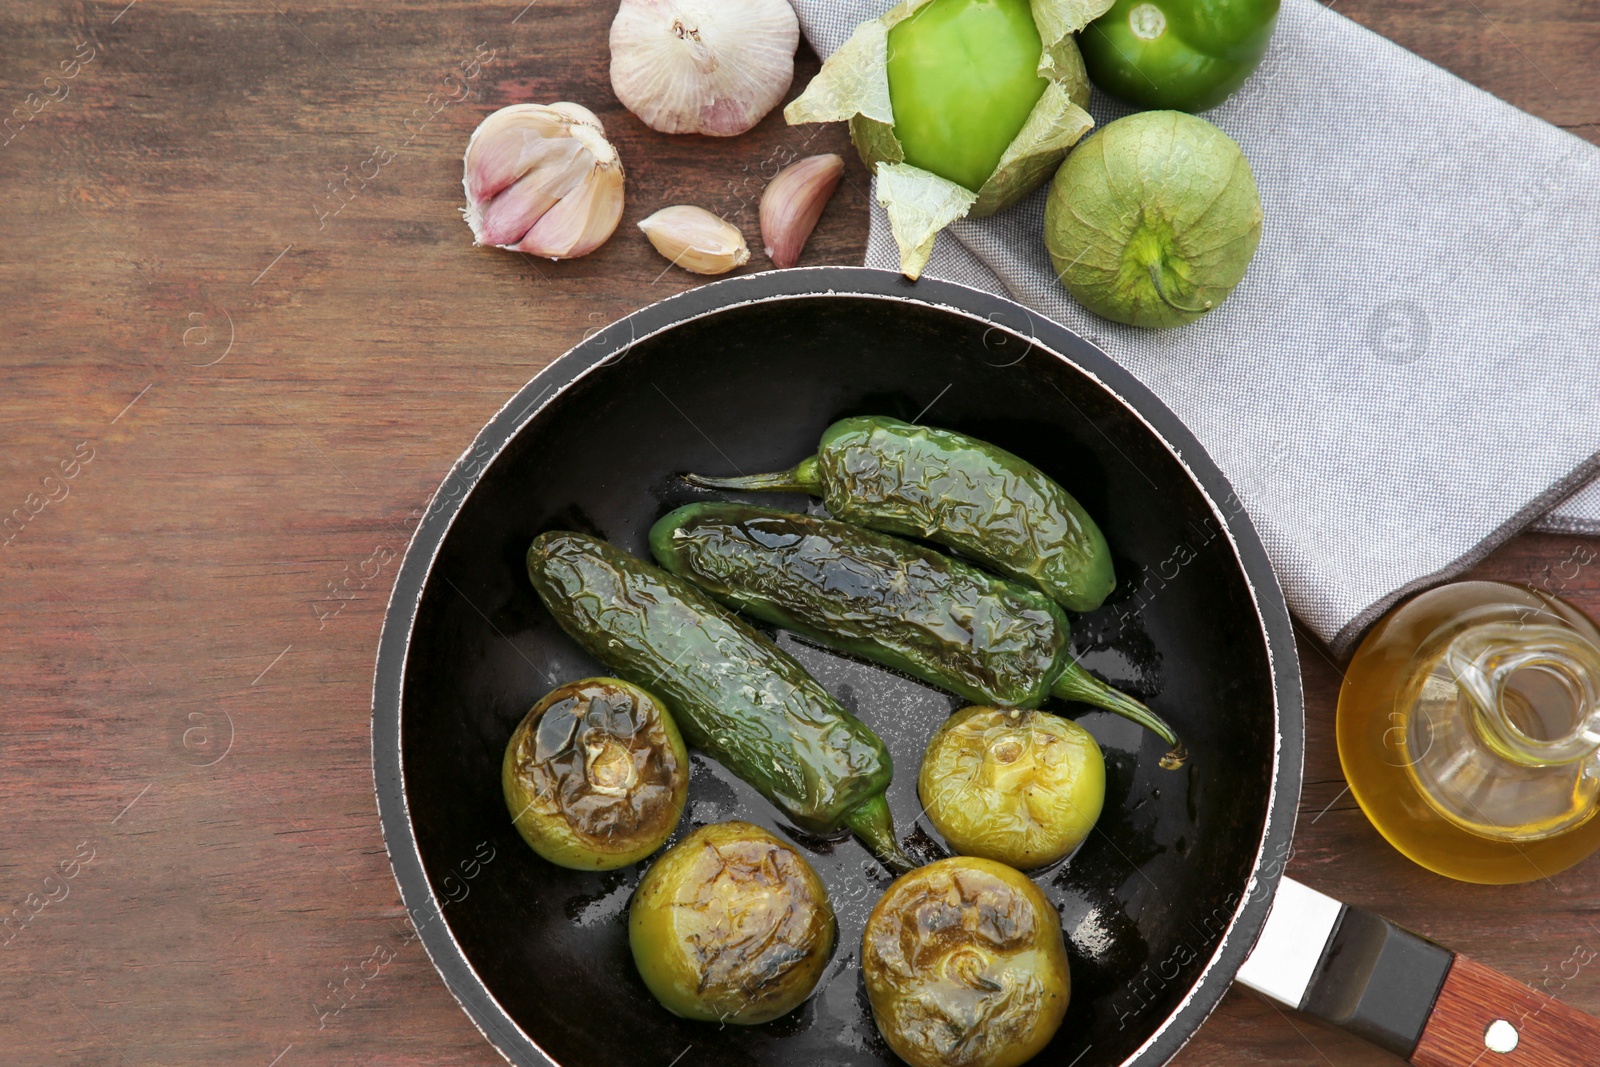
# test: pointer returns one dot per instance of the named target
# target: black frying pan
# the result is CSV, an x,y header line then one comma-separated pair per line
x,y
1161,905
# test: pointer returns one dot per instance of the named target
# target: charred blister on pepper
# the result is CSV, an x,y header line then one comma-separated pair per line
x,y
965,966
974,497
731,925
596,775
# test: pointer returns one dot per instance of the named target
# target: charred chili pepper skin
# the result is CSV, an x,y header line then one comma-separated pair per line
x,y
732,692
954,490
872,595
888,600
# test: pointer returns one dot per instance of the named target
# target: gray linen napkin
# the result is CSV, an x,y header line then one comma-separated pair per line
x,y
1408,373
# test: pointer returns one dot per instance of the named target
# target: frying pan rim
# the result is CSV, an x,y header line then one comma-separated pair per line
x,y
600,348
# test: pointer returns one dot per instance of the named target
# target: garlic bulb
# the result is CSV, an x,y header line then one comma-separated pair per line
x,y
792,203
696,240
703,66
542,179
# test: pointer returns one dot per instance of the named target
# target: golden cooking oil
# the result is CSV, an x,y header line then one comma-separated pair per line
x,y
1469,731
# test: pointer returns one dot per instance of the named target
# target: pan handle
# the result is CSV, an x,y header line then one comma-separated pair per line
x,y
1404,993
1483,1017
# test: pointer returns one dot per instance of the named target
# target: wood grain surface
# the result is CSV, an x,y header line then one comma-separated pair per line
x,y
239,352
1476,1000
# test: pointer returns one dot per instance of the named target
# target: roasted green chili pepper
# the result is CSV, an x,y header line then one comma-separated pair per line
x,y
891,601
731,925
733,693
1182,55
947,487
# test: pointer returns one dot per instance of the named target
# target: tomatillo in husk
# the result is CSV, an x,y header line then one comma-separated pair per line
x,y
1154,219
1021,787
965,965
1183,55
596,775
960,107
731,925
963,76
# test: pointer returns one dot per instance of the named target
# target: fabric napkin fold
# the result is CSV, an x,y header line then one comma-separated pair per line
x,y
1409,373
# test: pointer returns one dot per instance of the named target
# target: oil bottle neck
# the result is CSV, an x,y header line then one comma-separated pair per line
x,y
1532,690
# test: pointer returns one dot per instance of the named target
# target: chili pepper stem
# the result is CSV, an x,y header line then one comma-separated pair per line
x,y
804,478
1078,684
870,820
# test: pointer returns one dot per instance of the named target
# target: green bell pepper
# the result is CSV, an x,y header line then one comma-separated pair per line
x,y
1180,55
963,76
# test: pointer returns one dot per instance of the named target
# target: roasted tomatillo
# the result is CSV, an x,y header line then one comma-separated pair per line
x,y
963,76
1021,787
731,925
1187,55
965,966
596,775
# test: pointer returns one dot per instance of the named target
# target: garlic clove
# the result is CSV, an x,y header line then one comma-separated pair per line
x,y
561,169
581,222
505,145
792,203
529,163
578,114
703,66
696,240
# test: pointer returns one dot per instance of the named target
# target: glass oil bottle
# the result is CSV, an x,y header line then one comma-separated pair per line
x,y
1469,731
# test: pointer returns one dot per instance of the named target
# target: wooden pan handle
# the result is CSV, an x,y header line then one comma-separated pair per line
x,y
1402,992
1484,1019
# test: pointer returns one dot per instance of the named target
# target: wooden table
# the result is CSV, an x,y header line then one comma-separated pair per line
x,y
242,310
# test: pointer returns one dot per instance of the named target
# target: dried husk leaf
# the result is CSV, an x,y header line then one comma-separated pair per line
x,y
855,79
853,85
1054,125
1057,21
920,204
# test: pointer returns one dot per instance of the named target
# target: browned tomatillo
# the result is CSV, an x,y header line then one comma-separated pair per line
x,y
1022,787
731,925
965,966
596,775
